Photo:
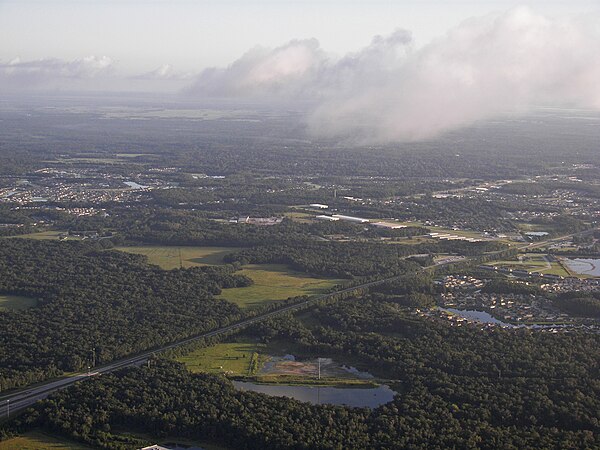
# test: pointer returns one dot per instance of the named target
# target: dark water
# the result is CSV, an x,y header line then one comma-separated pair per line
x,y
359,397
479,316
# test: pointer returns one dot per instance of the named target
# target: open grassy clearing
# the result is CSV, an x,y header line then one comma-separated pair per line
x,y
275,282
36,440
249,359
272,282
534,262
527,226
47,235
15,302
168,257
300,217
237,358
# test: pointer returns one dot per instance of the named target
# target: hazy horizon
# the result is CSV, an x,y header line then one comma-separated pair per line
x,y
379,72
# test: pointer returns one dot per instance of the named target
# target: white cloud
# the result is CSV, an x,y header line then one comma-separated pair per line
x,y
164,72
481,69
390,91
50,71
284,70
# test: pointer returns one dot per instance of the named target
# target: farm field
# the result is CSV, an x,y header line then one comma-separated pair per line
x,y
171,257
275,282
36,440
232,358
15,302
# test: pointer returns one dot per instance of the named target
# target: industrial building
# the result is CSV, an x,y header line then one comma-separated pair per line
x,y
330,218
350,218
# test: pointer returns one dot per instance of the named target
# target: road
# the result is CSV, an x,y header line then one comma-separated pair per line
x,y
21,399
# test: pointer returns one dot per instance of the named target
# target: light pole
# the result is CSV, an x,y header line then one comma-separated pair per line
x,y
8,409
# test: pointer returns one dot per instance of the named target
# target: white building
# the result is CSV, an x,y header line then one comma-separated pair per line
x,y
350,218
324,217
391,226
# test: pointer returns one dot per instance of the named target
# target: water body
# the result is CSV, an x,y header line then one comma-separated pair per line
x,y
584,266
483,317
479,316
358,397
134,185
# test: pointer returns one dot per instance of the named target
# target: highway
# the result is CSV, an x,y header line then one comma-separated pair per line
x,y
23,398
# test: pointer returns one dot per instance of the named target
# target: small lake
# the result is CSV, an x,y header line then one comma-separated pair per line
x,y
317,395
584,266
479,316
483,317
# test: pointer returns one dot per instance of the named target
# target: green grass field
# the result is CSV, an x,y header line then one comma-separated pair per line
x,y
231,358
177,257
45,235
36,440
533,262
15,302
274,282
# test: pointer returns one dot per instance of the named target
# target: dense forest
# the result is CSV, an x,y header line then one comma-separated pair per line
x,y
456,388
90,298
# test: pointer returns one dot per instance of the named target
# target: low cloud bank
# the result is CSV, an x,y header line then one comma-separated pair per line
x,y
391,91
286,71
51,71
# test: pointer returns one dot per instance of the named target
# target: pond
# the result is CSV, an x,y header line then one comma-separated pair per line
x,y
358,397
584,266
483,317
479,316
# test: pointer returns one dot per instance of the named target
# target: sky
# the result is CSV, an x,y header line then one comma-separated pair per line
x,y
379,71
189,35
